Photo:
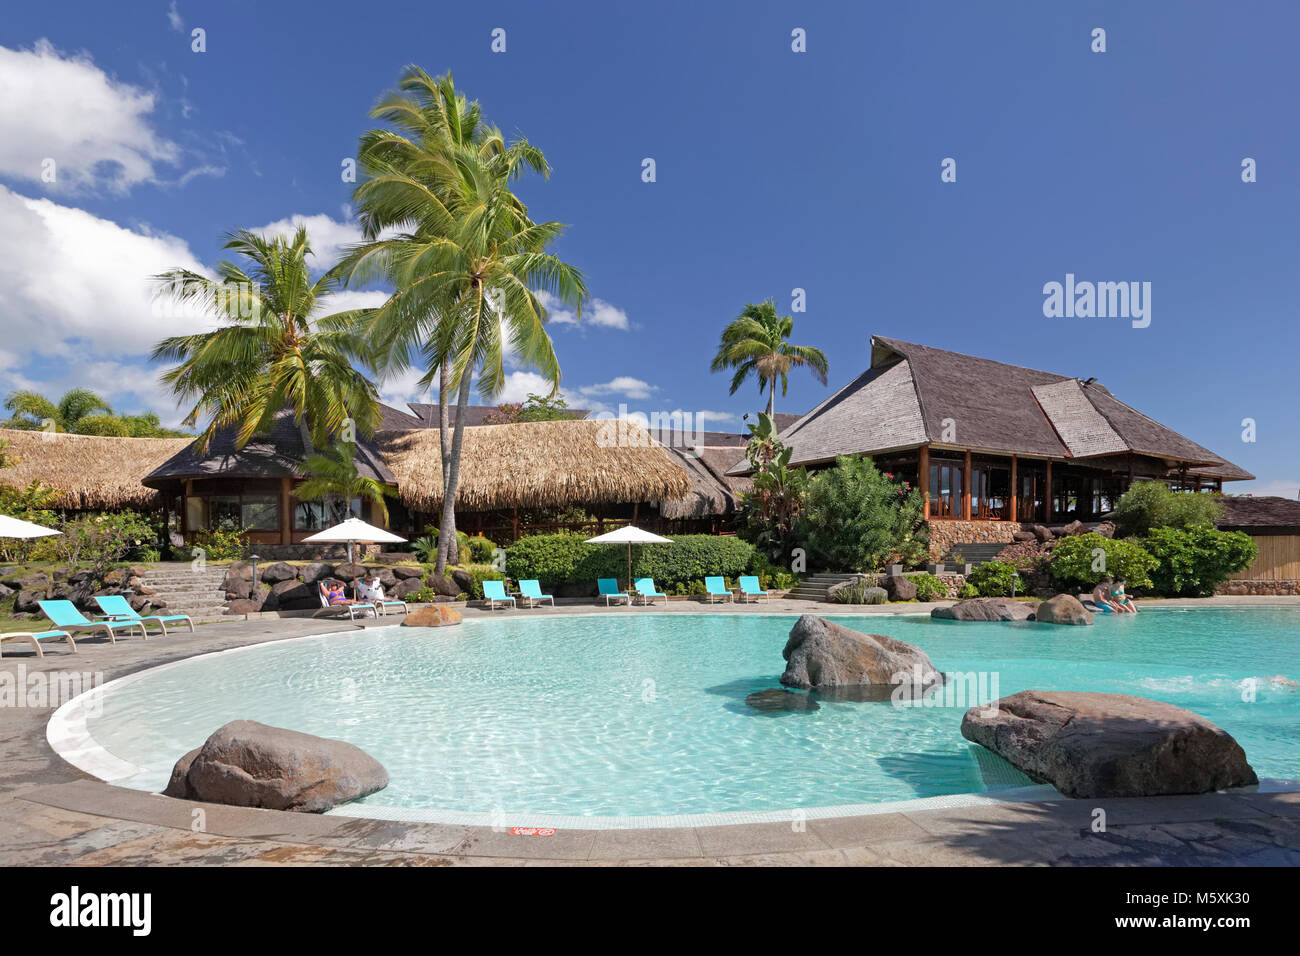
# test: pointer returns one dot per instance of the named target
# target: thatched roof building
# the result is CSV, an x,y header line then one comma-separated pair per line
x,y
91,471
534,465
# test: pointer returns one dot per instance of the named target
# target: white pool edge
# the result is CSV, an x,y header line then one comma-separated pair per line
x,y
70,737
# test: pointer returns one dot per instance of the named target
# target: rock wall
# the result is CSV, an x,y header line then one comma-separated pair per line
x,y
944,534
1260,587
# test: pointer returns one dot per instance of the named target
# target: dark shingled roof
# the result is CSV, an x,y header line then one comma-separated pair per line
x,y
1265,515
913,395
277,455
394,419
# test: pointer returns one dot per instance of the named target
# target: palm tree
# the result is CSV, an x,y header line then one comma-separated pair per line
x,y
333,478
756,343
31,410
272,352
466,263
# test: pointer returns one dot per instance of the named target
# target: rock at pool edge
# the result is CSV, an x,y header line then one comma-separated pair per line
x,y
247,764
1109,745
821,653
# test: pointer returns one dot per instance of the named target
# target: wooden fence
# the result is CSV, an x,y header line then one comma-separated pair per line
x,y
1279,559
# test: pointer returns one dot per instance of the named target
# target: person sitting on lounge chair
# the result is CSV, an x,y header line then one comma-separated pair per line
x,y
1101,594
1120,601
334,593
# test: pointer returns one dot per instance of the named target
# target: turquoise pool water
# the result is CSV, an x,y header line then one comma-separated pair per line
x,y
633,714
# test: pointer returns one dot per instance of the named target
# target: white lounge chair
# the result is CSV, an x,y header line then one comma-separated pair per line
x,y
36,637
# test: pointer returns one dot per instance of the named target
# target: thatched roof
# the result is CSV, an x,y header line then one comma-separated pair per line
x,y
428,416
912,393
536,465
708,496
280,454
93,472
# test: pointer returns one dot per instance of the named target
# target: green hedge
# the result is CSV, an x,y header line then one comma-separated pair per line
x,y
1192,561
555,559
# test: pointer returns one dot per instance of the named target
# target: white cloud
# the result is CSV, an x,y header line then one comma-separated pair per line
x,y
328,236
598,313
1278,487
93,127
71,282
174,18
706,416
624,385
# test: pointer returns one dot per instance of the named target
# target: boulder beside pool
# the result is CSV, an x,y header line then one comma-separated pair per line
x,y
247,764
432,616
821,653
1063,609
1109,745
986,609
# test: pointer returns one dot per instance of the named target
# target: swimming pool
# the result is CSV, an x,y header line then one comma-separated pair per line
x,y
640,715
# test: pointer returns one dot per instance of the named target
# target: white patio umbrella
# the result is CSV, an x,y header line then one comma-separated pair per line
x,y
17,528
354,531
631,535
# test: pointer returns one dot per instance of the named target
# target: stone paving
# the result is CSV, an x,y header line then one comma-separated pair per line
x,y
52,814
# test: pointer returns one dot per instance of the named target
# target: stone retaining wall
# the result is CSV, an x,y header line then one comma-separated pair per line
x,y
1259,587
944,534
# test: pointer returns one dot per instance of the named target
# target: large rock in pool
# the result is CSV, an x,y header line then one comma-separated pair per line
x,y
1109,745
247,764
432,616
1063,609
986,609
821,653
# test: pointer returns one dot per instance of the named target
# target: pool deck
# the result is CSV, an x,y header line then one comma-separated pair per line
x,y
53,814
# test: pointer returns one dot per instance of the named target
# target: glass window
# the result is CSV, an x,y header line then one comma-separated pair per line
x,y
224,513
309,516
260,512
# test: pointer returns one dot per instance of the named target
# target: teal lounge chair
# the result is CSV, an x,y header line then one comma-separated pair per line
x,y
66,617
608,588
646,590
531,592
494,591
717,588
36,637
749,587
116,608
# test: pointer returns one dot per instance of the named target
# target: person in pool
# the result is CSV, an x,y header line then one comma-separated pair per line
x,y
1121,601
1101,594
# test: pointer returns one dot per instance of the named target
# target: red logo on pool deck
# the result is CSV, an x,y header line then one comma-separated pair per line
x,y
532,831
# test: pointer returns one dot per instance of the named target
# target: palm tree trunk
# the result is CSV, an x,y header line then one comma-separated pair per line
x,y
444,438
447,529
771,397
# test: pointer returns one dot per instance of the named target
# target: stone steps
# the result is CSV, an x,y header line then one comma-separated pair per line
x,y
975,552
815,586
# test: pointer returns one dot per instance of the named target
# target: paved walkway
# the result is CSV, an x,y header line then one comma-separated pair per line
x,y
53,814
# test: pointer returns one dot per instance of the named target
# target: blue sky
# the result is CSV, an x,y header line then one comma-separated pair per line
x,y
775,170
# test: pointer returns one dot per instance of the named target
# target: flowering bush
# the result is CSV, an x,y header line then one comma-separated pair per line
x,y
857,518
101,540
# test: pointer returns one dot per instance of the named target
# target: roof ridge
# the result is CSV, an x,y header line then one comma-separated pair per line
x,y
931,348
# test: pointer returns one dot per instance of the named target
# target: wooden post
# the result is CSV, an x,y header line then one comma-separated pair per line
x,y
924,481
1015,490
286,511
965,489
1047,495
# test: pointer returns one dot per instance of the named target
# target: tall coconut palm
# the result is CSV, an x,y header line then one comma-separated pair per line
x,y
431,121
333,478
467,262
272,352
756,343
32,411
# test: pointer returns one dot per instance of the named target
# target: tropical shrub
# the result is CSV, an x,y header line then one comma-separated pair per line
x,y
1153,504
217,545
478,574
1084,559
481,549
994,579
34,503
928,587
861,593
967,591
772,577
565,559
99,541
1192,561
772,505
857,518
426,546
